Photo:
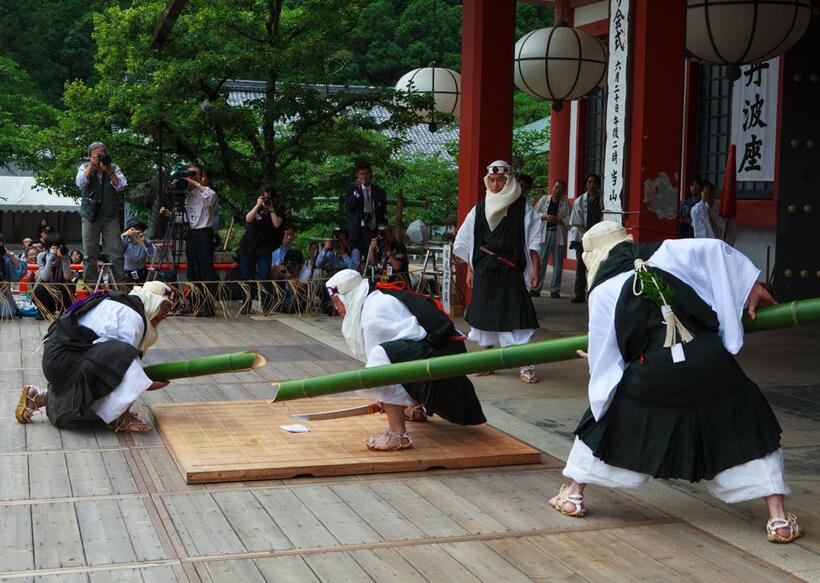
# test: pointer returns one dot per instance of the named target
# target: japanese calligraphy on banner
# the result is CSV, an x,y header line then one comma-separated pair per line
x,y
613,178
754,120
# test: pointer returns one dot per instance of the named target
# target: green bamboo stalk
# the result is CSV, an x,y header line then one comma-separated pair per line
x,y
772,317
205,365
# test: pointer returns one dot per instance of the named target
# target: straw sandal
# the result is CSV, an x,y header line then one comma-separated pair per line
x,y
28,404
389,441
778,523
484,373
528,375
128,423
577,500
416,414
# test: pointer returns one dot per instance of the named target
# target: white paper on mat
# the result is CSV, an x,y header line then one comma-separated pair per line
x,y
296,428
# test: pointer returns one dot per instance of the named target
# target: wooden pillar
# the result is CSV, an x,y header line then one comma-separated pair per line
x,y
486,95
656,110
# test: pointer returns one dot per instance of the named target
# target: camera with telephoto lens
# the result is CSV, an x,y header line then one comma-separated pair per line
x,y
105,160
177,187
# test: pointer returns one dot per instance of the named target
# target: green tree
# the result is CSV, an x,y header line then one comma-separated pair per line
x,y
176,98
21,114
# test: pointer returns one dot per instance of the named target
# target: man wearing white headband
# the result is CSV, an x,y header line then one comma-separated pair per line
x,y
667,398
384,326
92,359
500,240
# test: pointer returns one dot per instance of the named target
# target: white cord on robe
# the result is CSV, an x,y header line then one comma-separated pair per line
x,y
673,325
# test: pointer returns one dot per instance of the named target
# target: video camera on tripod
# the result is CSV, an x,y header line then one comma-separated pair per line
x,y
177,188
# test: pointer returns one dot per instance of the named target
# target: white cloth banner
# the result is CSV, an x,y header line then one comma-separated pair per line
x,y
613,178
754,120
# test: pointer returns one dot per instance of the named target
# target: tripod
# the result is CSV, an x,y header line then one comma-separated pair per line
x,y
170,250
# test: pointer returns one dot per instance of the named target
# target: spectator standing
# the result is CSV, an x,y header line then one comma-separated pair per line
x,y
366,204
706,220
31,259
11,270
587,211
100,181
266,230
685,230
200,201
26,243
280,253
554,210
136,248
43,237
76,257
54,269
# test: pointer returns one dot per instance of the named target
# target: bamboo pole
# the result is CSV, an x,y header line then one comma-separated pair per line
x,y
205,365
772,317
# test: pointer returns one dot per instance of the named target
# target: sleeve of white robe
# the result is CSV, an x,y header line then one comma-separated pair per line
x,y
463,245
114,321
532,236
384,318
606,365
719,274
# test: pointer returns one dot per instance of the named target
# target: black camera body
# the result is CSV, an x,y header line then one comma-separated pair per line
x,y
105,159
366,217
177,187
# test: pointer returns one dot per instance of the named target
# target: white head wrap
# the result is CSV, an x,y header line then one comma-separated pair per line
x,y
152,294
496,204
598,241
352,290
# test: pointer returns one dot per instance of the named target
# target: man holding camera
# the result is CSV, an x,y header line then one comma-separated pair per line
x,y
366,204
388,257
337,254
100,182
200,200
266,230
54,269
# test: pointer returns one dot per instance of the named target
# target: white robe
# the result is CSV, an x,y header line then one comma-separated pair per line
x,y
385,318
111,320
464,247
723,278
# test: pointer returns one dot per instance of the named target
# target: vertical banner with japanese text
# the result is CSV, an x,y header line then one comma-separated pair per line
x,y
754,120
616,108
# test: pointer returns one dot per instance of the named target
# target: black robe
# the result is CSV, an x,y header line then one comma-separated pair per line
x,y
501,301
80,372
687,420
453,398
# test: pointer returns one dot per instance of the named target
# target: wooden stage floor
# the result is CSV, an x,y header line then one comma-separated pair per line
x,y
85,504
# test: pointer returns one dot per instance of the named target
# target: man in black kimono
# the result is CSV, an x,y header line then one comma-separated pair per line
x,y
500,241
384,326
92,359
667,398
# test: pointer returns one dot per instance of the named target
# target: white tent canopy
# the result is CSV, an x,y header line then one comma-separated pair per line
x,y
19,193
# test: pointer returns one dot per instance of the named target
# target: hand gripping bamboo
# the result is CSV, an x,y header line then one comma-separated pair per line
x,y
769,318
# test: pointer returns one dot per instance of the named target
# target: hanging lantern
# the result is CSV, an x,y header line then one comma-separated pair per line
x,y
742,32
559,63
442,84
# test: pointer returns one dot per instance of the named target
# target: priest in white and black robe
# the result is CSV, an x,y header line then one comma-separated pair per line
x,y
92,359
385,326
500,241
667,398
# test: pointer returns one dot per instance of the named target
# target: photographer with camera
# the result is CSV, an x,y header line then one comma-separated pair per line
x,y
11,270
336,254
55,269
199,204
266,230
366,204
136,247
100,181
388,258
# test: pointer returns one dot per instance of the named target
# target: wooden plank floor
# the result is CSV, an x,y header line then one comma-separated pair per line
x,y
84,504
219,441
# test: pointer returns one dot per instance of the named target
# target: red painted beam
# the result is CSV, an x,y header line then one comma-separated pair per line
x,y
656,109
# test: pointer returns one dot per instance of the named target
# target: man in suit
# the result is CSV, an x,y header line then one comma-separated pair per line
x,y
366,204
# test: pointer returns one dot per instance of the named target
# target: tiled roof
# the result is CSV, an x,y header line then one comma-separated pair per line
x,y
419,138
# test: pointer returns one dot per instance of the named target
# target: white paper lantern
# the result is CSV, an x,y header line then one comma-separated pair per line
x,y
443,84
559,63
742,32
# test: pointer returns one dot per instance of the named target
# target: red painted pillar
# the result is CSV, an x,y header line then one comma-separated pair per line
x,y
559,145
656,109
486,95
